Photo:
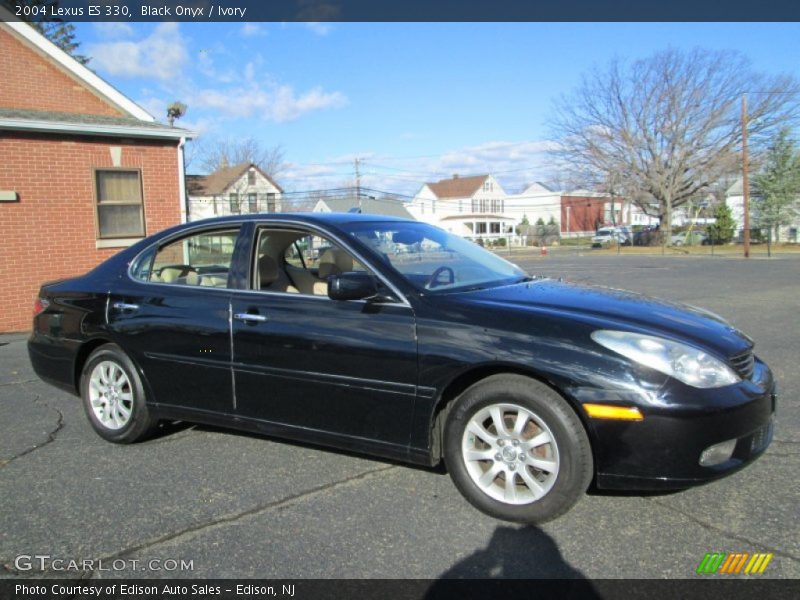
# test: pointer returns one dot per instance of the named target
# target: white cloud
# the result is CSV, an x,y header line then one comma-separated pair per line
x,y
154,105
268,101
514,164
253,30
207,66
162,55
113,30
319,28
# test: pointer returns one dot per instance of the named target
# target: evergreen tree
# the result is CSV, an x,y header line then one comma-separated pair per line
x,y
777,186
62,34
721,232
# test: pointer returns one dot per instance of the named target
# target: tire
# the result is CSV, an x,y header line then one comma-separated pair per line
x,y
118,413
547,479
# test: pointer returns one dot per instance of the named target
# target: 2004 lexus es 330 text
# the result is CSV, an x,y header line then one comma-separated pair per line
x,y
396,339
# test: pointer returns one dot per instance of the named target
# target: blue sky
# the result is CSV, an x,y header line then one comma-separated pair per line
x,y
415,101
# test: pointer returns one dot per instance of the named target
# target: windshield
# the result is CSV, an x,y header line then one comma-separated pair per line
x,y
432,259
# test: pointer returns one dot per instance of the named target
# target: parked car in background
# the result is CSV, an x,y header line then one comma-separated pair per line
x,y
689,238
608,236
528,389
647,236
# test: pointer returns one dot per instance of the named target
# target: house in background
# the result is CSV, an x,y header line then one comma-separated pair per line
x,y
734,198
232,190
367,206
536,201
467,206
84,171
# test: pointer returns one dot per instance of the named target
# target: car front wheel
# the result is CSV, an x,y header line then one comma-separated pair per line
x,y
114,398
516,450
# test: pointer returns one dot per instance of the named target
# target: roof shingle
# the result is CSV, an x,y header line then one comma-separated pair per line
x,y
220,180
457,187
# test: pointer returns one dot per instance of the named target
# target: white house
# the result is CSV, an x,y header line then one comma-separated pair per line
x,y
536,201
734,198
466,206
634,215
239,189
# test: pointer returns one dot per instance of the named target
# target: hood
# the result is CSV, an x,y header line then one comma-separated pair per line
x,y
617,309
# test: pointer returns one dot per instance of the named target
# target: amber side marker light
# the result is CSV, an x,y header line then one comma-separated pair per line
x,y
608,411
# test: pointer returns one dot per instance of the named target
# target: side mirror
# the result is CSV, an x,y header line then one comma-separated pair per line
x,y
353,285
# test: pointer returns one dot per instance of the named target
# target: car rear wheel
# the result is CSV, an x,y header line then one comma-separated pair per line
x,y
114,398
516,450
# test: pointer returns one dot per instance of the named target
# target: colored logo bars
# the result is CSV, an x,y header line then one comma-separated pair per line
x,y
734,563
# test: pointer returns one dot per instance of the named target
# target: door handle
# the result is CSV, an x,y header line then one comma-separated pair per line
x,y
250,318
124,306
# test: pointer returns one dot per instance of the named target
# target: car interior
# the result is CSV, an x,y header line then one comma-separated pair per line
x,y
298,263
294,262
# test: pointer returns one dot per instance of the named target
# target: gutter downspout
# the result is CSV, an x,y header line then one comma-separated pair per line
x,y
182,181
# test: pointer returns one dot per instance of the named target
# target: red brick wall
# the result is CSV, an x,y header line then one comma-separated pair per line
x,y
50,232
32,81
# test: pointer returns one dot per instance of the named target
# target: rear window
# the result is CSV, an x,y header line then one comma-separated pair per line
x,y
201,259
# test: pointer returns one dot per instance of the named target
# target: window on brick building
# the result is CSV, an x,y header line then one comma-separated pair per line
x,y
120,209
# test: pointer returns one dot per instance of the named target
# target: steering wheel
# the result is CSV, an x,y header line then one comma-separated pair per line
x,y
433,280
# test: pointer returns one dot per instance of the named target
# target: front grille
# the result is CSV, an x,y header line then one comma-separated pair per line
x,y
743,364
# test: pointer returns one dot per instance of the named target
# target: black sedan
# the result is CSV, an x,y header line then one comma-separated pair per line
x,y
396,339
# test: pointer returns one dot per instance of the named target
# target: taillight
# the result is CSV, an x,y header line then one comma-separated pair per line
x,y
40,306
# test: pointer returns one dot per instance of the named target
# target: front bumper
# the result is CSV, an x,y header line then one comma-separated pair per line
x,y
663,451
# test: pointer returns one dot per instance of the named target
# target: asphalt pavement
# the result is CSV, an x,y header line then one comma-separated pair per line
x,y
239,505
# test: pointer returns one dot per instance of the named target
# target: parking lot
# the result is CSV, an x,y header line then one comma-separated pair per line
x,y
240,505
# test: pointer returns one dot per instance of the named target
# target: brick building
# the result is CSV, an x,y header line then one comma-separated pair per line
x,y
84,171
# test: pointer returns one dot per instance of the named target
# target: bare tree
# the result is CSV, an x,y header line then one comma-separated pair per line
x,y
212,154
667,127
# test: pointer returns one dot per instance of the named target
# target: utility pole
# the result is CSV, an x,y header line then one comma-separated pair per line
x,y
745,179
358,183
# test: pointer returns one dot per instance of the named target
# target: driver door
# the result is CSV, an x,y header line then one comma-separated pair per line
x,y
317,366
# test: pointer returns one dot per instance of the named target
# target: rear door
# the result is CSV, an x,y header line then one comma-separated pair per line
x,y
317,365
172,316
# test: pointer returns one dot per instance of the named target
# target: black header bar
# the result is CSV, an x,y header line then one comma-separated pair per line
x,y
404,10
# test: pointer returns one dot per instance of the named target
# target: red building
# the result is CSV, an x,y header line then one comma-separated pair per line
x,y
584,213
84,171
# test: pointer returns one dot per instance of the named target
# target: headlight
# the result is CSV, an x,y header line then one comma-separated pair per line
x,y
681,361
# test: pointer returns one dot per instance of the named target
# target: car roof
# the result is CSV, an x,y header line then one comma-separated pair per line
x,y
333,218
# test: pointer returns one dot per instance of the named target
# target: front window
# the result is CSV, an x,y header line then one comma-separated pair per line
x,y
234,202
120,211
252,203
432,259
294,262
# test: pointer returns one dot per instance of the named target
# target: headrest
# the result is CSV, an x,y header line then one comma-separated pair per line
x,y
170,274
333,262
267,270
